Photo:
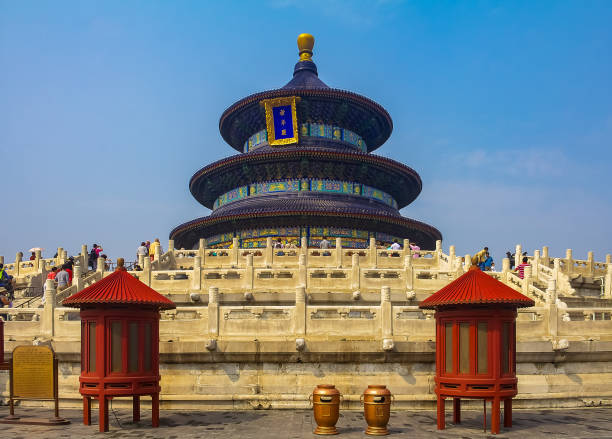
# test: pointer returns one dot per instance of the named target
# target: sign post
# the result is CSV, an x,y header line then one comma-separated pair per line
x,y
33,376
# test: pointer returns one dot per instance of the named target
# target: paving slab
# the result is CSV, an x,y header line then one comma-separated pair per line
x,y
298,424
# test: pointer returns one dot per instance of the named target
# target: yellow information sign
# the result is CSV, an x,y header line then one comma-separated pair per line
x,y
33,372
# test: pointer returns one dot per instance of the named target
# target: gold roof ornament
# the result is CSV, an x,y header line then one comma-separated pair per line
x,y
305,43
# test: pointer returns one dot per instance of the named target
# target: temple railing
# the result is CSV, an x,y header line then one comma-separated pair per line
x,y
385,322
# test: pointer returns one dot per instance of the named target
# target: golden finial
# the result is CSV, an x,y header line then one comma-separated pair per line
x,y
305,43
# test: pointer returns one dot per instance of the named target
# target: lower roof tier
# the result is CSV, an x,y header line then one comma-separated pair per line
x,y
300,223
402,183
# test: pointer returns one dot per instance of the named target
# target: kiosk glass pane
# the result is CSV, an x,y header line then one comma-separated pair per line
x,y
464,348
92,346
133,347
116,347
448,348
505,347
483,348
146,351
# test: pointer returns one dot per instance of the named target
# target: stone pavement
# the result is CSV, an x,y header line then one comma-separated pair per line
x,y
558,423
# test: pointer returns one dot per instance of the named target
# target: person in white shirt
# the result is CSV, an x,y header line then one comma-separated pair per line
x,y
395,246
324,243
142,250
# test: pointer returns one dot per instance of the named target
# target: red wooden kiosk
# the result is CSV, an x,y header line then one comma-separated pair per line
x,y
119,343
475,344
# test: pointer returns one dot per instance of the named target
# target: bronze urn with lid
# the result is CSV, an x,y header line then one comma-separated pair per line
x,y
326,406
376,400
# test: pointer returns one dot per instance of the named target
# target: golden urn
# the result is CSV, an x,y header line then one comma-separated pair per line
x,y
376,400
326,406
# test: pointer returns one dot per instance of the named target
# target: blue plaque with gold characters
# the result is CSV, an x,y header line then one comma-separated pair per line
x,y
281,120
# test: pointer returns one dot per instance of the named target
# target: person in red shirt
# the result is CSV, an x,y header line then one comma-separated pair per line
x,y
52,273
33,256
68,269
521,268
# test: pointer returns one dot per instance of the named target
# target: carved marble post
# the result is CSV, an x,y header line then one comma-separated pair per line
x,y
58,259
409,272
171,245
202,250
451,258
406,247
569,261
101,265
590,264
518,255
37,256
467,262
146,271
373,253
355,273
47,324
526,280
141,259
18,257
505,269
438,251
249,273
76,278
157,255
196,280
608,259
213,311
338,252
386,317
608,282
535,264
545,257
299,322
84,258
304,246
302,272
268,253
235,251
551,305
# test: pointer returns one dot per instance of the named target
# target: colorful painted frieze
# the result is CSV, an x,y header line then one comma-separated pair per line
x,y
311,130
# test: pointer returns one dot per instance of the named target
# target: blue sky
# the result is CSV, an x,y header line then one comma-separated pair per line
x,y
504,108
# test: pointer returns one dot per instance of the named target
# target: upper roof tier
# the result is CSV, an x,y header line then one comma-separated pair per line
x,y
318,103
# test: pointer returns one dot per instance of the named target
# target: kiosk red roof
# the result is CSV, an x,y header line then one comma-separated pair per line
x,y
476,288
122,288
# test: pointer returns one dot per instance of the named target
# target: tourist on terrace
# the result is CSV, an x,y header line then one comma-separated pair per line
x,y
324,243
153,247
278,244
32,256
521,268
5,278
62,278
486,264
480,257
415,250
395,246
142,250
94,254
52,273
68,268
511,257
